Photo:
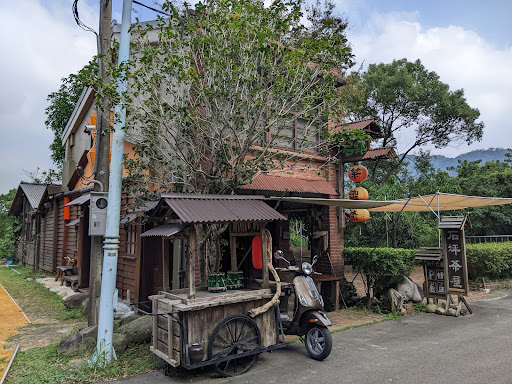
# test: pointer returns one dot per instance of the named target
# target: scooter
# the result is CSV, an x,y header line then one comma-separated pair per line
x,y
309,322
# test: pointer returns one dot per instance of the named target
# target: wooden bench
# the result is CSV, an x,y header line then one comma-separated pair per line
x,y
73,281
64,270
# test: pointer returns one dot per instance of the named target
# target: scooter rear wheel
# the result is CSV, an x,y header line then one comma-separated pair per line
x,y
318,342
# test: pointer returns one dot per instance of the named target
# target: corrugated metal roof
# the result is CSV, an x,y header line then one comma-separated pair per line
x,y
264,182
383,153
128,218
146,207
220,208
80,200
73,223
33,192
164,230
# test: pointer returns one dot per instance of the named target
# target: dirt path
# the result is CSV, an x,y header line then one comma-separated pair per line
x,y
11,319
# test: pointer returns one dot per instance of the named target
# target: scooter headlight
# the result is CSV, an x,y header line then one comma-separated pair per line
x,y
307,268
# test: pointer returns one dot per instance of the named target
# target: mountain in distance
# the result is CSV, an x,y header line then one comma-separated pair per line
x,y
443,162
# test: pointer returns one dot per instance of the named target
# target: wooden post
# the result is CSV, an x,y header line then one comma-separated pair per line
x,y
191,264
165,264
337,295
232,246
155,321
264,268
138,262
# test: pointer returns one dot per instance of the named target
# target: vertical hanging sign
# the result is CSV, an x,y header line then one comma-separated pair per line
x,y
454,252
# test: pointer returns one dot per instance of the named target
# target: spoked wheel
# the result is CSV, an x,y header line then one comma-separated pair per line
x,y
318,342
233,336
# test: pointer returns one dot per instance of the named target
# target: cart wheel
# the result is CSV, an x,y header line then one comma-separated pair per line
x,y
318,342
232,336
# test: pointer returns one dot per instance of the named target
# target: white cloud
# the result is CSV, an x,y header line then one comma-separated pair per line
x,y
41,44
459,56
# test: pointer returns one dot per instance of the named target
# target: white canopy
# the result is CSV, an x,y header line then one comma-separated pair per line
x,y
429,203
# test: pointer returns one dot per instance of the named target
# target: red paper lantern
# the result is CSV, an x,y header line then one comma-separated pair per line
x,y
359,215
358,193
358,173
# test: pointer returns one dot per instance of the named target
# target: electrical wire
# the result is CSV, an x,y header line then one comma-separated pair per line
x,y
78,21
151,8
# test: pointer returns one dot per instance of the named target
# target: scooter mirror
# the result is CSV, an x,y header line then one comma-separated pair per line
x,y
315,259
280,255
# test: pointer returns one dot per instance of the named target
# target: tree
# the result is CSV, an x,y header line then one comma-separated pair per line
x,y
222,88
404,97
8,225
61,106
39,176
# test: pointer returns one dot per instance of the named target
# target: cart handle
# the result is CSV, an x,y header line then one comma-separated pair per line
x,y
135,306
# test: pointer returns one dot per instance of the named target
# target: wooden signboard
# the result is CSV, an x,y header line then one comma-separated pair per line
x,y
433,269
454,252
356,152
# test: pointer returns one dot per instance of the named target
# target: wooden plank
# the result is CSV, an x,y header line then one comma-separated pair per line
x,y
138,260
164,357
264,269
232,248
155,322
165,264
191,263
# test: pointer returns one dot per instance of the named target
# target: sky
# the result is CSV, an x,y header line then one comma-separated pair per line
x,y
468,43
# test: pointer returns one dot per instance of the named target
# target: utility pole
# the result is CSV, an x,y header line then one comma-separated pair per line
x,y
104,349
101,162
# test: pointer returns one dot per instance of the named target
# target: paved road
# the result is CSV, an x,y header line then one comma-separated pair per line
x,y
419,349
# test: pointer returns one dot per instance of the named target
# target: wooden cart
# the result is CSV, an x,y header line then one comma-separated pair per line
x,y
189,320
231,340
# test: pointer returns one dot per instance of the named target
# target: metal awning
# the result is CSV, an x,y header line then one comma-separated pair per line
x,y
265,182
220,208
164,230
146,207
73,223
128,218
80,200
350,204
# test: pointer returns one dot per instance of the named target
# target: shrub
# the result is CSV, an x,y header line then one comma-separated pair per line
x,y
490,260
381,268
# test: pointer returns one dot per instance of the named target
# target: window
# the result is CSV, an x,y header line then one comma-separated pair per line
x,y
298,135
131,240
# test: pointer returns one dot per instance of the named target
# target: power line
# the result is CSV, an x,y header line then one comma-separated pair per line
x,y
78,21
153,9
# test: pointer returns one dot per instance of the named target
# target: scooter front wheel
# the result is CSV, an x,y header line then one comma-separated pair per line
x,y
318,342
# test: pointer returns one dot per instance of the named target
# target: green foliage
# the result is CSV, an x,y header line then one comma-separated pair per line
x,y
419,229
49,176
406,96
35,298
61,105
492,261
8,225
420,307
135,360
221,86
381,267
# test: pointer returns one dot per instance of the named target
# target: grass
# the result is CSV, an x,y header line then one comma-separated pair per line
x,y
64,369
35,299
44,365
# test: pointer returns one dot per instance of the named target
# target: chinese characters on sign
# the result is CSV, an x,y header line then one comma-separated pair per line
x,y
359,148
455,259
435,278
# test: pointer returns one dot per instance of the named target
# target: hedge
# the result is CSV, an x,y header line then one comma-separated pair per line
x,y
381,267
490,260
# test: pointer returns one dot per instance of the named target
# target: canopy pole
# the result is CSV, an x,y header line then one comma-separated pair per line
x,y
438,221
